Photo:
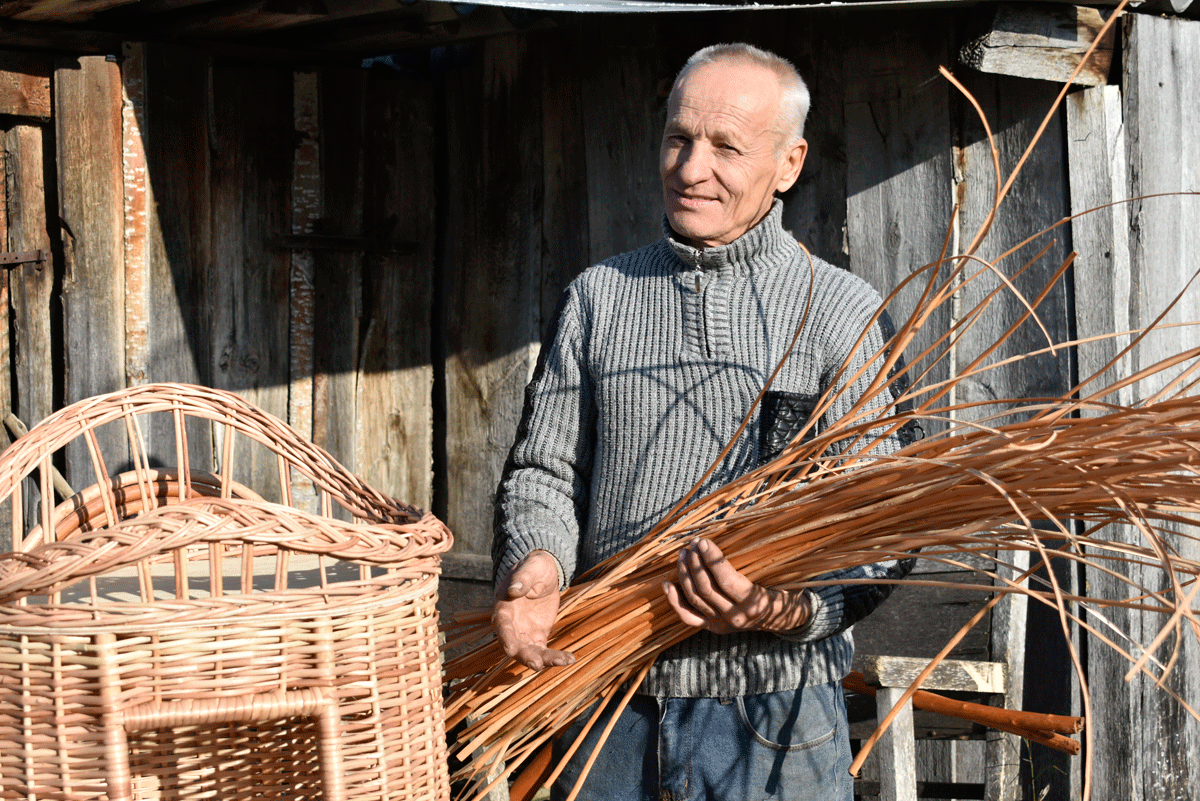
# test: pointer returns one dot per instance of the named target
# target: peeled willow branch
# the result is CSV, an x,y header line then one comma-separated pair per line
x,y
1047,476
1046,729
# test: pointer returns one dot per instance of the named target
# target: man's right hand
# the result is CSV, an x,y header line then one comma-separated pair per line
x,y
525,611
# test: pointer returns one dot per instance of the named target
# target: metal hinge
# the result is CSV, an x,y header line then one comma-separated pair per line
x,y
27,257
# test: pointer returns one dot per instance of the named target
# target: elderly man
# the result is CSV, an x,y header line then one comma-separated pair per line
x,y
656,357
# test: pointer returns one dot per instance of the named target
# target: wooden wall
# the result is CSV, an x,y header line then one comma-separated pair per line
x,y
372,255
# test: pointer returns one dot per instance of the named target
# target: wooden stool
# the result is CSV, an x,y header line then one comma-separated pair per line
x,y
896,749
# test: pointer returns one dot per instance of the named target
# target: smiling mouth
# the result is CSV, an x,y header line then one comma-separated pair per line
x,y
690,201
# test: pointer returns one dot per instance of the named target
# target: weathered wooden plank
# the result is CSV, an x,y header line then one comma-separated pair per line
x,y
337,274
58,38
955,675
395,375
306,209
1101,273
899,181
565,210
137,204
179,231
1158,745
25,85
492,285
1043,41
896,750
622,137
6,366
60,11
251,168
815,208
918,621
88,127
30,285
1015,108
467,572
899,173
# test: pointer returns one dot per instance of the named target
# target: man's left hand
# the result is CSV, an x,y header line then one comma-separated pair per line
x,y
711,594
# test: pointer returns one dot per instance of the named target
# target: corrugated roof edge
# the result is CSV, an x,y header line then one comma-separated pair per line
x,y
648,6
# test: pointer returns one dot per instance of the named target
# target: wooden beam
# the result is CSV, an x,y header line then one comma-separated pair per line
x,y
61,11
247,17
397,32
1046,42
954,675
59,38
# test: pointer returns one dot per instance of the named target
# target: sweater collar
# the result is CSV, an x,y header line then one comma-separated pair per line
x,y
765,245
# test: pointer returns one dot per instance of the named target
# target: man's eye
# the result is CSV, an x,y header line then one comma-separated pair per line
x,y
728,147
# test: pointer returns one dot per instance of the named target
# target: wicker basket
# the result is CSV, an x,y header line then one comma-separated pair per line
x,y
177,636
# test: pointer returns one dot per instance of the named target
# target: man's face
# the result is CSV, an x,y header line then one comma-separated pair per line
x,y
721,160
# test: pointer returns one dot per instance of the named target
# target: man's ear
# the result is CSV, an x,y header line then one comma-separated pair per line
x,y
793,161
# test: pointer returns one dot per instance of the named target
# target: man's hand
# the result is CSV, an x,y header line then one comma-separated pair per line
x,y
525,610
711,594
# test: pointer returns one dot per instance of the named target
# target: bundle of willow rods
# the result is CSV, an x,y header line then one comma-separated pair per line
x,y
967,495
975,489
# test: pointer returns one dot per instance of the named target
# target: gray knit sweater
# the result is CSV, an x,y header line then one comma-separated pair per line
x,y
655,359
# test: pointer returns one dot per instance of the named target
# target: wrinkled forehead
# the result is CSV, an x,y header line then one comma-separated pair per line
x,y
728,94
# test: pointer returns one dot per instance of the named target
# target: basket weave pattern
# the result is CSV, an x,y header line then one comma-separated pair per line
x,y
176,636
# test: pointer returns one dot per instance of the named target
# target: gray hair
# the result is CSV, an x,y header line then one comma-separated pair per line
x,y
794,97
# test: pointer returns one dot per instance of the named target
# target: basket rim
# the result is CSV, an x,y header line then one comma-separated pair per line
x,y
87,553
28,452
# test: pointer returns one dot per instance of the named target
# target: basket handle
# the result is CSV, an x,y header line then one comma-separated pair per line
x,y
84,417
52,566
117,722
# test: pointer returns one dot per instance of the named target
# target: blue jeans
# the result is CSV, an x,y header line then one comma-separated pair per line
x,y
786,745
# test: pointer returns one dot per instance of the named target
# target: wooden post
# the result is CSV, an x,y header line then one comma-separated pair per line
x,y
897,748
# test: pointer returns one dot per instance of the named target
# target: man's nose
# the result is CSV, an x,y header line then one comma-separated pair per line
x,y
695,163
